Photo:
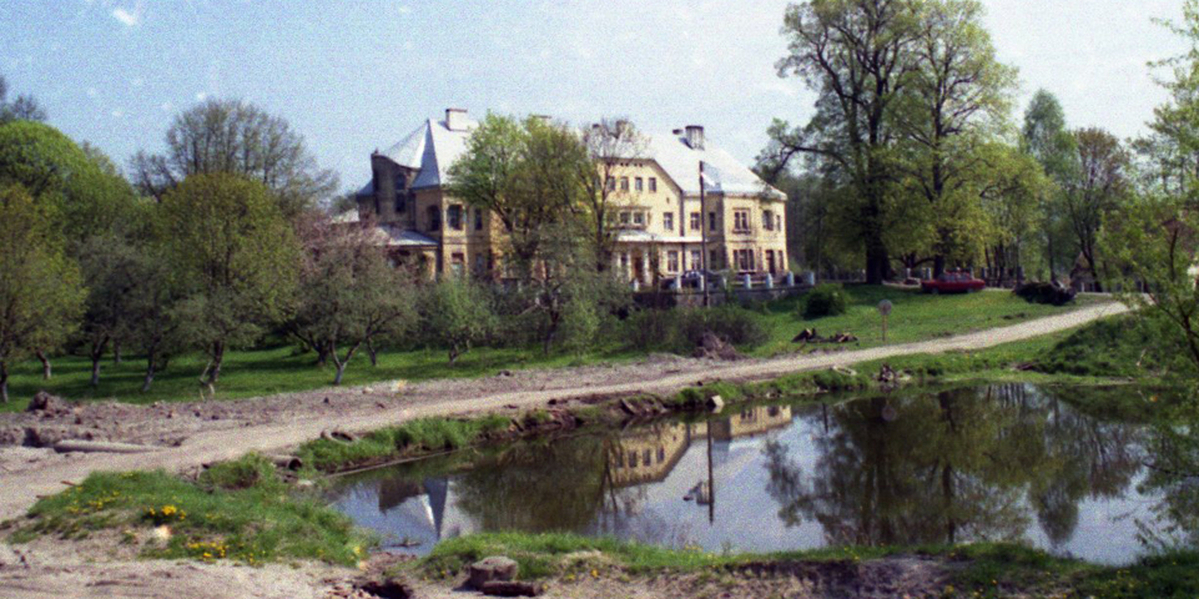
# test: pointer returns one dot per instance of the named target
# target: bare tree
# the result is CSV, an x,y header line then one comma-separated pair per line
x,y
609,143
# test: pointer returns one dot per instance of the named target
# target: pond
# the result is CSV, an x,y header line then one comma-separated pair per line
x,y
995,462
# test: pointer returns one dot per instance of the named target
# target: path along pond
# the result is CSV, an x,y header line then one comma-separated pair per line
x,y
1009,462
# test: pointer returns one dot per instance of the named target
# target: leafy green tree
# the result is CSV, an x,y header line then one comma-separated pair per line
x,y
857,56
958,98
1098,189
55,171
349,292
1046,138
235,257
609,143
458,314
1012,185
110,267
232,136
41,295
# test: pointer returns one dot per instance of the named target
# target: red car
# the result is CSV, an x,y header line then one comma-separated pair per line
x,y
953,282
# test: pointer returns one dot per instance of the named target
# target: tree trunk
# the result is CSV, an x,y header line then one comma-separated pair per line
x,y
938,265
877,263
3,381
149,380
116,352
218,354
95,371
47,371
372,352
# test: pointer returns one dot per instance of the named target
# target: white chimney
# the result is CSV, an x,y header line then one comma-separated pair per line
x,y
455,119
695,137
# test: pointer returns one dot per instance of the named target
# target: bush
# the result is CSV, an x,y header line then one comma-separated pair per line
x,y
1044,293
827,299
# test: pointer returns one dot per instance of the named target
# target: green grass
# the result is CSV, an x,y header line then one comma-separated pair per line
x,y
915,316
414,437
980,569
258,372
238,511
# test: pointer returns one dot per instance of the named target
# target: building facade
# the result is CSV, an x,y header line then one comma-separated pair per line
x,y
662,219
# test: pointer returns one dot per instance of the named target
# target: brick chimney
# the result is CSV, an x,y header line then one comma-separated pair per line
x,y
695,137
455,119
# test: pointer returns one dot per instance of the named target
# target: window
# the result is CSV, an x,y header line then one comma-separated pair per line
x,y
653,184
743,260
454,217
624,183
638,218
672,261
667,221
696,258
639,184
434,213
695,221
768,220
457,263
480,264
741,221
778,222
478,219
715,260
770,261
401,201
711,221
624,218
611,184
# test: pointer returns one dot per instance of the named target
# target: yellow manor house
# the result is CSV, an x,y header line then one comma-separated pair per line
x,y
660,219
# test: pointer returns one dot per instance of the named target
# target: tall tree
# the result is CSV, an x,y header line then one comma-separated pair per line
x,y
40,292
1098,188
958,98
232,136
349,292
234,255
1046,138
856,54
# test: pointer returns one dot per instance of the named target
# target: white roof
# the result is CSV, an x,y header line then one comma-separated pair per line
x,y
681,162
432,148
393,236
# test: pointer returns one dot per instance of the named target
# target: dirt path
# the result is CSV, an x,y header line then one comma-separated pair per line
x,y
195,433
274,423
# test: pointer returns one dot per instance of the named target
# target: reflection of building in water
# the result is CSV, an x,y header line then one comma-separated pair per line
x,y
649,454
751,421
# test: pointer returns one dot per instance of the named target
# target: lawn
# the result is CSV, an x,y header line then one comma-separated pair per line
x,y
280,369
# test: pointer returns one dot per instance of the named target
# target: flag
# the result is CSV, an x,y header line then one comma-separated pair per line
x,y
709,177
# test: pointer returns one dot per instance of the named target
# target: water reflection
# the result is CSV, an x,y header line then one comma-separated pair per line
x,y
1007,462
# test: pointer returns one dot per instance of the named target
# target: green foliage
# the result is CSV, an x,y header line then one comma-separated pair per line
x,y
39,286
458,314
253,524
233,254
56,172
1115,347
826,299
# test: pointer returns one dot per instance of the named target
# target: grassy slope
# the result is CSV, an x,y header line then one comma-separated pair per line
x,y
280,369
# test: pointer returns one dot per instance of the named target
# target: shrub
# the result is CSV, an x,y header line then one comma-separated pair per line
x,y
827,299
249,471
1044,293
680,330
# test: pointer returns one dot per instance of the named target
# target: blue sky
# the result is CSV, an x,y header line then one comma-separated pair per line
x,y
355,76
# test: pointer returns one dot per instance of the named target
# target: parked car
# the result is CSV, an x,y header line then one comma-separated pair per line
x,y
953,281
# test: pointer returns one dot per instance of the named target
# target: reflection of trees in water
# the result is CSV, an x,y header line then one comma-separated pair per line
x,y
1174,472
951,467
557,486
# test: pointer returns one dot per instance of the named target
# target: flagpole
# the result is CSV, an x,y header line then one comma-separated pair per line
x,y
703,231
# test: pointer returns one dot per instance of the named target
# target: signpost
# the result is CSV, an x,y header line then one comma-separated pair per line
x,y
884,308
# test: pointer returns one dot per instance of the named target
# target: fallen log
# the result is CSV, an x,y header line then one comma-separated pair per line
x,y
288,462
78,445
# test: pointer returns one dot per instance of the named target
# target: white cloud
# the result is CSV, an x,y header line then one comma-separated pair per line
x,y
137,82
92,92
167,107
404,10
201,96
118,113
129,19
